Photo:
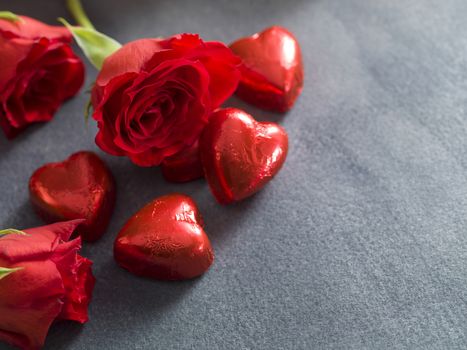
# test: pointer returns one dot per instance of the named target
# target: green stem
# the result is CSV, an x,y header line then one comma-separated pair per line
x,y
76,9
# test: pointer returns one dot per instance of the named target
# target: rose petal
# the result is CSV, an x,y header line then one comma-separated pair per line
x,y
13,51
77,279
129,58
30,28
30,300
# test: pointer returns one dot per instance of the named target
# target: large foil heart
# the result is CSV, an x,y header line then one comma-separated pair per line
x,y
272,70
80,187
239,154
165,240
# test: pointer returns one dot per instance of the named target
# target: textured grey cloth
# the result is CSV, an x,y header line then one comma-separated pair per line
x,y
358,243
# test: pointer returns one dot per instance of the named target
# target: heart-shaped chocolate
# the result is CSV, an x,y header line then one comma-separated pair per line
x,y
272,70
81,187
184,166
165,240
239,154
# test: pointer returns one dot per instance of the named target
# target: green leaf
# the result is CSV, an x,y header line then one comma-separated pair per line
x,y
12,230
5,271
95,45
9,16
87,111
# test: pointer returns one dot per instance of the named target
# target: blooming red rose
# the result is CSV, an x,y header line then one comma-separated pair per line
x,y
47,280
153,97
38,71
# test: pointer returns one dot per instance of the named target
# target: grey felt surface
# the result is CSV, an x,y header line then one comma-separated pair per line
x,y
358,243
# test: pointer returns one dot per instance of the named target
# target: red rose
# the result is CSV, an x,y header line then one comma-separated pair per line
x,y
48,281
153,97
38,71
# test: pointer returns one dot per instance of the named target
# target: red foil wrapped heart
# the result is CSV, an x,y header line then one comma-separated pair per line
x,y
239,154
81,187
165,240
183,167
272,70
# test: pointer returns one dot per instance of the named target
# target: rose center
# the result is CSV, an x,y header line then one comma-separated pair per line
x,y
154,117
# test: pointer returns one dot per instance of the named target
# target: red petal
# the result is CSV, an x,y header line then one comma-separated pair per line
x,y
130,58
63,229
13,52
183,166
33,29
38,244
30,300
79,286
223,68
77,279
220,62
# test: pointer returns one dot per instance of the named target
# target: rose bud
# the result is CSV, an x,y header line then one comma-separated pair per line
x,y
152,97
184,166
38,72
42,279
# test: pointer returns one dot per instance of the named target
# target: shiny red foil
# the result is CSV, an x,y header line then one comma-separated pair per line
x,y
272,70
165,240
184,166
239,154
81,187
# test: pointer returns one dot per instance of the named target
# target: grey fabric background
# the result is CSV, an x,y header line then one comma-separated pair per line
x,y
358,243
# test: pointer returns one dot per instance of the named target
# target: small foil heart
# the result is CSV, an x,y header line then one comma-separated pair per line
x,y
81,187
183,167
272,70
165,240
239,154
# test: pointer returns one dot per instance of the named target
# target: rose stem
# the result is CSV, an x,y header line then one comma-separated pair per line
x,y
76,9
